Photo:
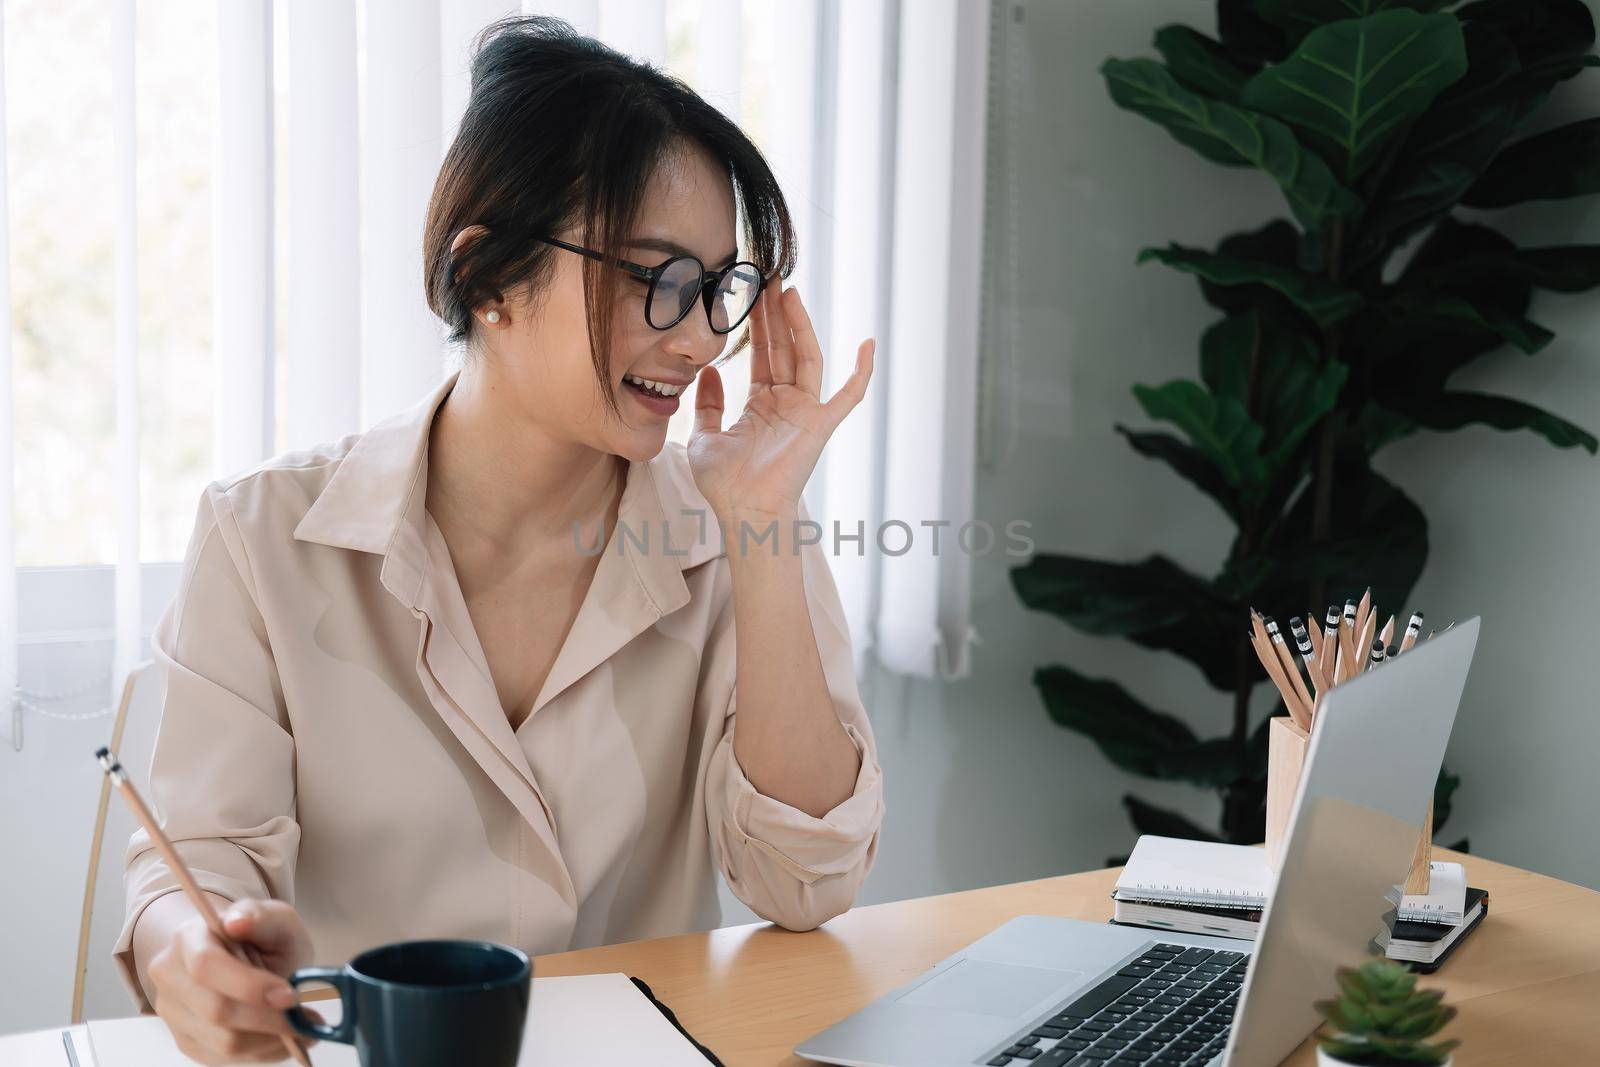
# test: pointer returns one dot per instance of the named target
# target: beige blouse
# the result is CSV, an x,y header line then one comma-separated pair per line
x,y
332,736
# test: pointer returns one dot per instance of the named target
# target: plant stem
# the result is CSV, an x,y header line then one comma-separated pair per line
x,y
1249,524
1328,428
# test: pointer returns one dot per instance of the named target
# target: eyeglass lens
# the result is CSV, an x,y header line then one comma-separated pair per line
x,y
679,287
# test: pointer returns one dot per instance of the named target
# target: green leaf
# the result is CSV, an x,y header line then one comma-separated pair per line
x,y
1231,135
1201,63
1354,986
1325,302
1441,307
1247,35
1358,83
1376,426
1555,165
1434,340
1189,462
1447,149
1149,819
1436,267
1293,393
1550,36
1278,243
1453,410
1155,603
1300,17
1217,426
1135,738
1350,1017
1345,1051
1379,538
1565,269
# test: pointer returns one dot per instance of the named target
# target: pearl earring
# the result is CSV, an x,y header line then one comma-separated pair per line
x,y
493,316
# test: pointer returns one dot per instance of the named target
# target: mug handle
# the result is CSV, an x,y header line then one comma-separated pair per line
x,y
345,1032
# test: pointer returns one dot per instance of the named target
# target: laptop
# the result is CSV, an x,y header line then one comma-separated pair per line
x,y
1042,991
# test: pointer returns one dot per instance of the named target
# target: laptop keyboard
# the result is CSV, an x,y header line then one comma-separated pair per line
x,y
1173,1005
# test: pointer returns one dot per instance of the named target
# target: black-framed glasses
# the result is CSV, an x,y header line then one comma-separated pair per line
x,y
728,294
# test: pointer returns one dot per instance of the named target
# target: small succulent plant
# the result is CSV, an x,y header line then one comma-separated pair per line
x,y
1381,1019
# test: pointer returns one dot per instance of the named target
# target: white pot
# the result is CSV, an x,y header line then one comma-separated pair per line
x,y
1325,1060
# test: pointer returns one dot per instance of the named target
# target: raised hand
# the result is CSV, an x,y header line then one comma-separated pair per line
x,y
760,464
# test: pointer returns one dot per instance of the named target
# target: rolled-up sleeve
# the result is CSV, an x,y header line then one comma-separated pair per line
x,y
222,772
787,866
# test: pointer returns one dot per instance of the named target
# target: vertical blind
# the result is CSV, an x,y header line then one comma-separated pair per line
x,y
12,724
869,119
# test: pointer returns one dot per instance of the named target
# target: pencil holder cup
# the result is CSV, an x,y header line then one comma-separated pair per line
x,y
1286,756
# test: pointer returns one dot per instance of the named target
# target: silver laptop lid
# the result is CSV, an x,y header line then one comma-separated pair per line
x,y
1375,751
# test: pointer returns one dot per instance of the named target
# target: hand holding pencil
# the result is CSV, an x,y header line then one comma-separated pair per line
x,y
222,1000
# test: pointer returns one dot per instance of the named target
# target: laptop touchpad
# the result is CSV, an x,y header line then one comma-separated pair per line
x,y
991,988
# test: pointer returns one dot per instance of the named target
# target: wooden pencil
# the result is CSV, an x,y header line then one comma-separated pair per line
x,y
1365,641
1364,613
1347,640
1413,628
1386,635
1285,657
180,870
1330,644
1308,650
1270,663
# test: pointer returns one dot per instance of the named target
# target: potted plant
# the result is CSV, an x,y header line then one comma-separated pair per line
x,y
1381,1019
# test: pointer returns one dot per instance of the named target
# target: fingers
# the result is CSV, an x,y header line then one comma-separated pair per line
x,y
214,967
807,351
760,365
780,341
211,1028
274,928
225,1009
216,1012
708,401
206,1043
854,388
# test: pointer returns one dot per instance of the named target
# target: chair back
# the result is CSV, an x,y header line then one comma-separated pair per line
x,y
97,990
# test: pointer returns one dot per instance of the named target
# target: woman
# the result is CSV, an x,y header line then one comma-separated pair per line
x,y
407,693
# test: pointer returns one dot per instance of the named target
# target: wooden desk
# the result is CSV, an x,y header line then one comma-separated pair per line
x,y
1527,981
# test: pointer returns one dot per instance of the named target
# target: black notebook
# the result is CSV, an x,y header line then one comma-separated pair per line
x,y
1427,945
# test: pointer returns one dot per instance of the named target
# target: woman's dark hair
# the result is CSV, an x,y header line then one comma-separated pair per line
x,y
559,131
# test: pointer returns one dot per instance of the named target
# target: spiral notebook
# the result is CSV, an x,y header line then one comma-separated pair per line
x,y
1173,870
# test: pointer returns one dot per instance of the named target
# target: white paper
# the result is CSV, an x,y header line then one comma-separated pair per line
x,y
1446,899
1195,872
569,1018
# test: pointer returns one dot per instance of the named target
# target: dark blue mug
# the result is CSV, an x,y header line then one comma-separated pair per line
x,y
424,1003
